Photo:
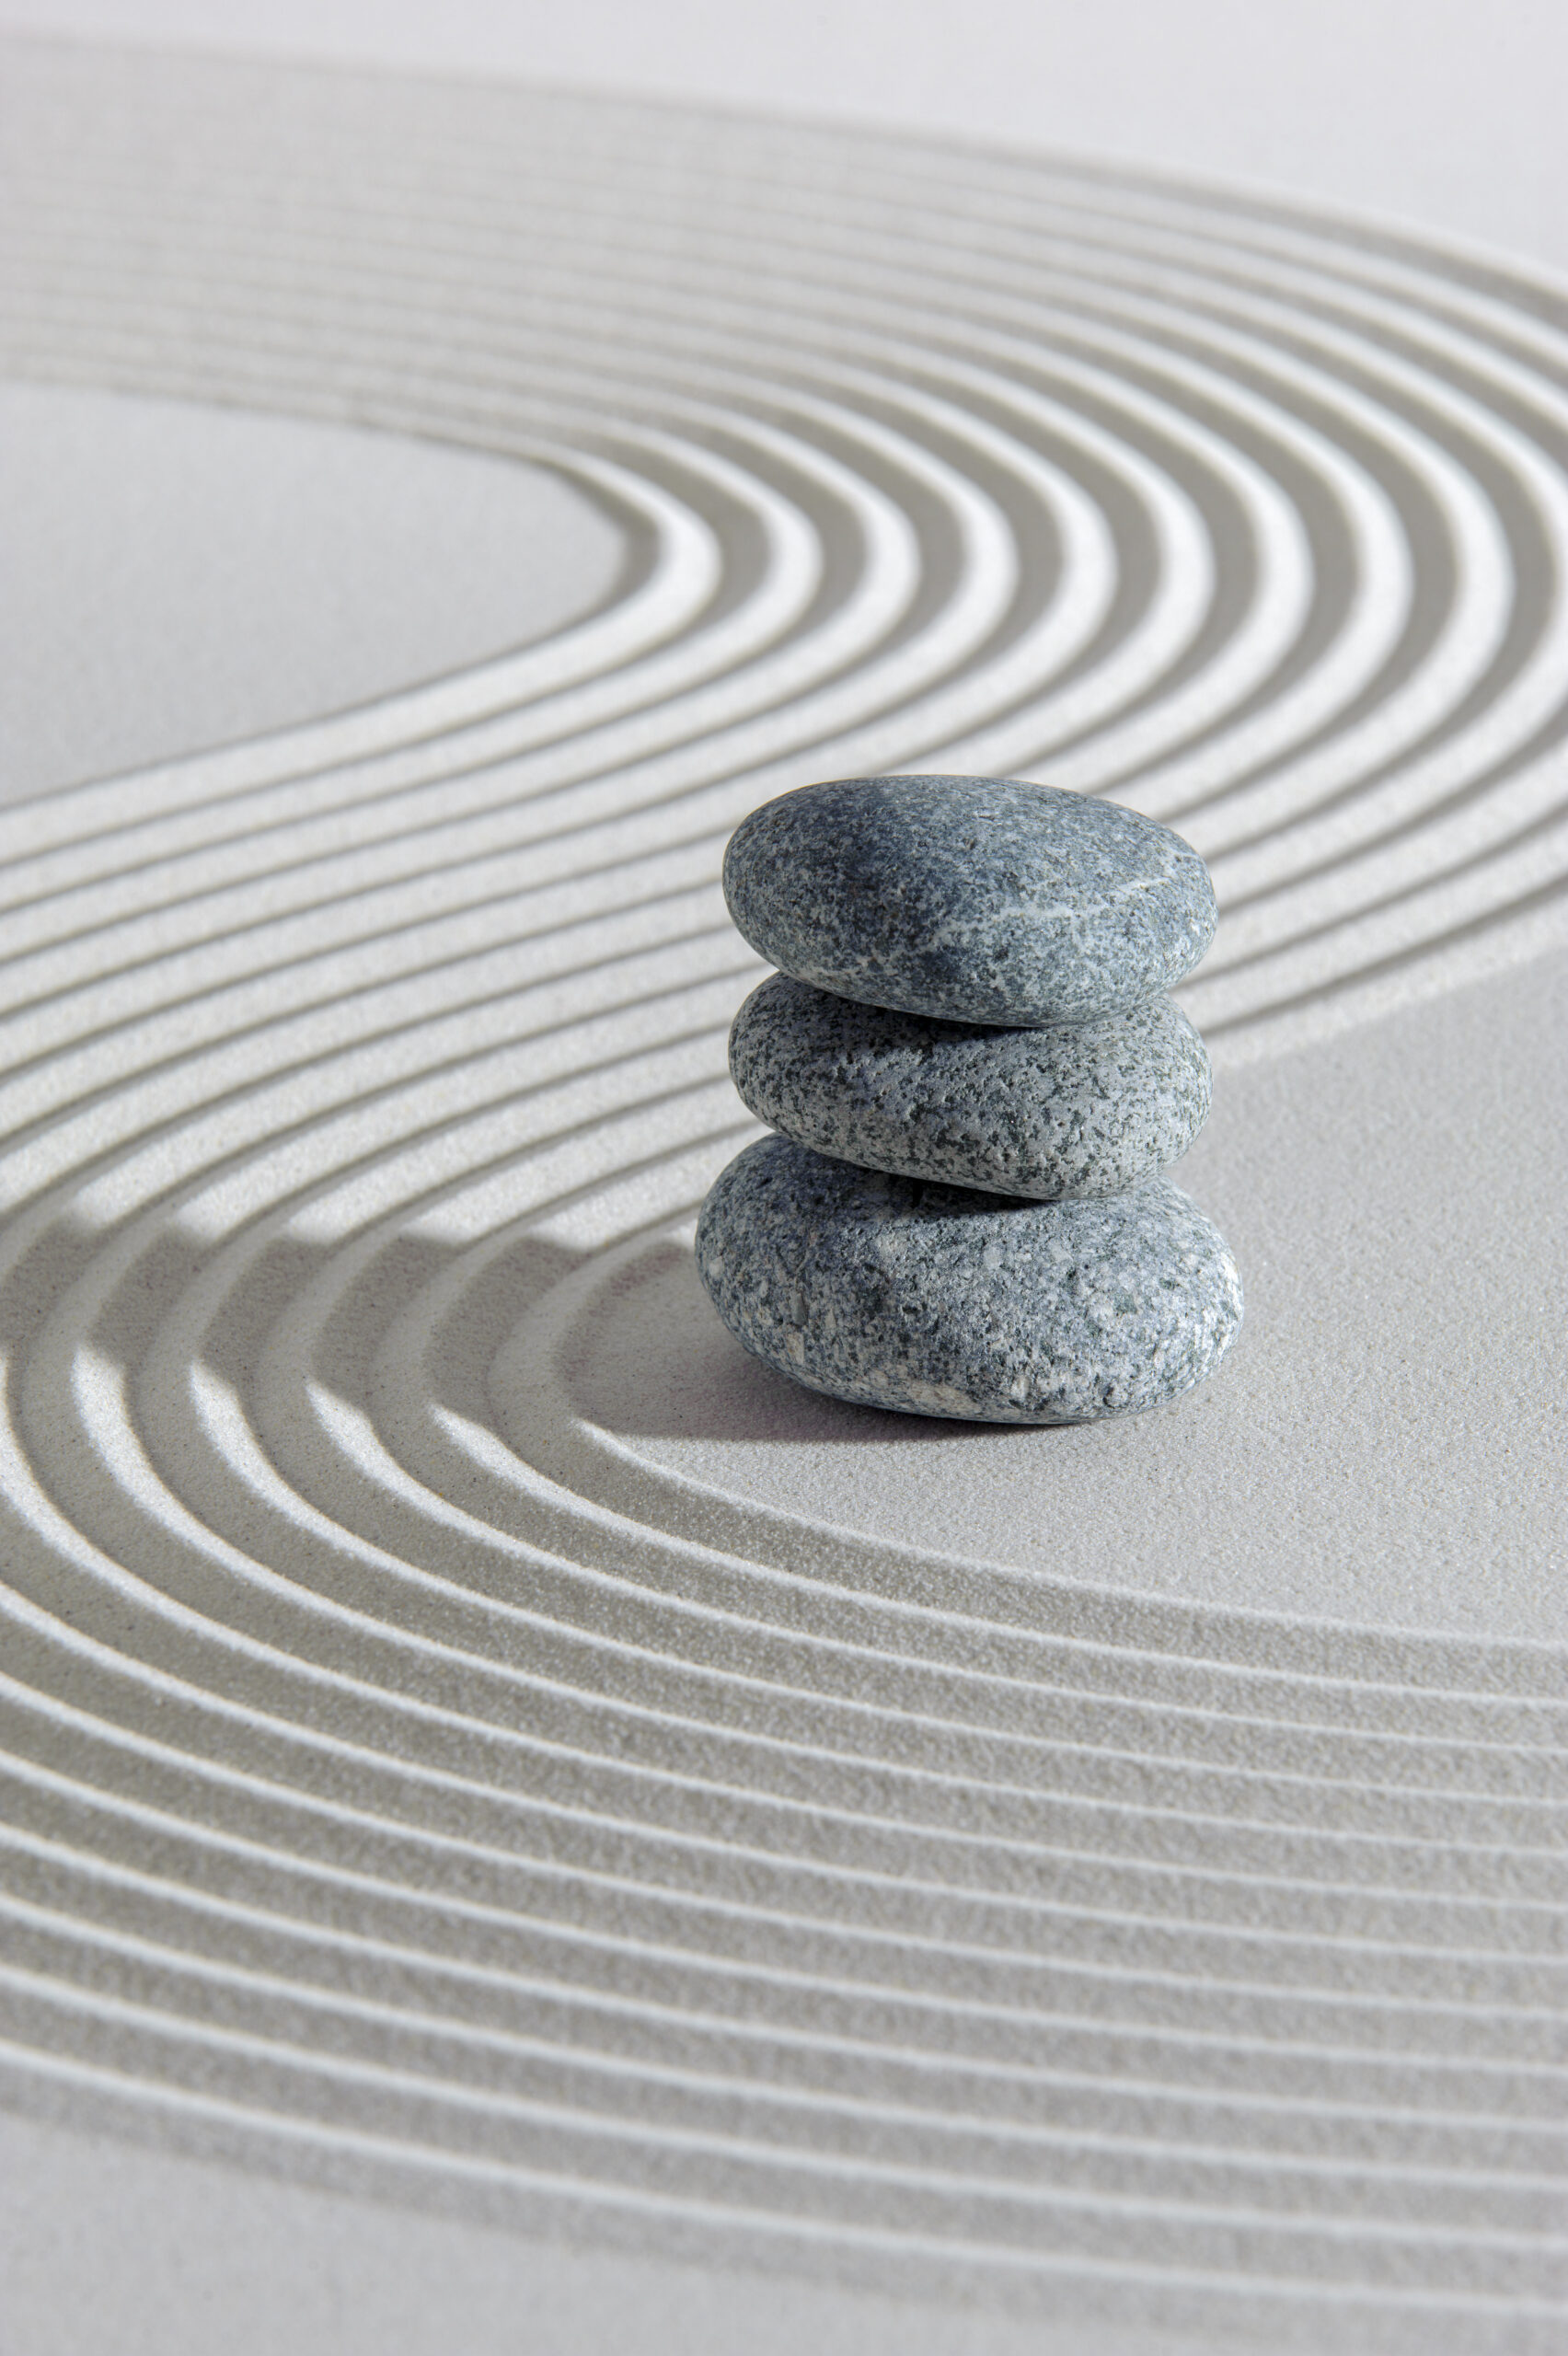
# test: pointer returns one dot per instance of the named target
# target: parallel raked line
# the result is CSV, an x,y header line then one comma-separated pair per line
x,y
393,1769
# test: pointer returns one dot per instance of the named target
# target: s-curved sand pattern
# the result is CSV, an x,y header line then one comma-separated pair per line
x,y
434,1766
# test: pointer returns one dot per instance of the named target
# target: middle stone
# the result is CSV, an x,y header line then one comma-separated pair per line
x,y
1065,1110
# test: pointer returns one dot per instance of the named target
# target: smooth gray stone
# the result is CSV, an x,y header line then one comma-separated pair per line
x,y
975,899
1084,1108
936,1300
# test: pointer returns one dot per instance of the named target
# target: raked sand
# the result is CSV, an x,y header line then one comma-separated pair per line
x,y
525,1810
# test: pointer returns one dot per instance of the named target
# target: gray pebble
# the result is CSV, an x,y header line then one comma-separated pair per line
x,y
974,899
1074,1109
935,1300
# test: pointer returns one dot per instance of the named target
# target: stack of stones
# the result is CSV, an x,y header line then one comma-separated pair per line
x,y
976,1077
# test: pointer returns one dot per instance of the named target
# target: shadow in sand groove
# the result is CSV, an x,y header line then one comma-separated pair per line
x,y
407,1783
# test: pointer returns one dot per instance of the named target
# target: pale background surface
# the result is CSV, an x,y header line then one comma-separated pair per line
x,y
1383,1450
177,576
1439,111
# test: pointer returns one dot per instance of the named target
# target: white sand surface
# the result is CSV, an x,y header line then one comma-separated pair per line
x,y
1386,1444
176,2250
519,1828
179,576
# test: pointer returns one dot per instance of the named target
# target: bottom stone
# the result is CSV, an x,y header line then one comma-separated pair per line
x,y
938,1300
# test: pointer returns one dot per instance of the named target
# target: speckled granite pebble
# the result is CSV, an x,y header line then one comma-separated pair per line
x,y
936,1300
974,899
1076,1109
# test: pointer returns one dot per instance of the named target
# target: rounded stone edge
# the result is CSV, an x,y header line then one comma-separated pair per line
x,y
898,1148
941,1402
758,927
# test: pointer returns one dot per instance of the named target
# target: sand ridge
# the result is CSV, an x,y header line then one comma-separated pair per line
x,y
419,1778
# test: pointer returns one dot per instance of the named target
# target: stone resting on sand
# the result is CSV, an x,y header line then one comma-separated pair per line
x,y
976,1077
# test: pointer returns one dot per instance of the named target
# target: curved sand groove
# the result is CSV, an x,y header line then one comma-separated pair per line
x,y
419,1773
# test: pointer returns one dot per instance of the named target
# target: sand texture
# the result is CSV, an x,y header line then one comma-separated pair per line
x,y
479,1749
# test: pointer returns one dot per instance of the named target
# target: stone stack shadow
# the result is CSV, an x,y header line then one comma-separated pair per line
x,y
976,1077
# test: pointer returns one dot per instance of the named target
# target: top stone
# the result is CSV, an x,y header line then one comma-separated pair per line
x,y
975,899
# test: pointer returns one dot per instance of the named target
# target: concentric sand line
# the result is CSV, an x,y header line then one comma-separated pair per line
x,y
409,1780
